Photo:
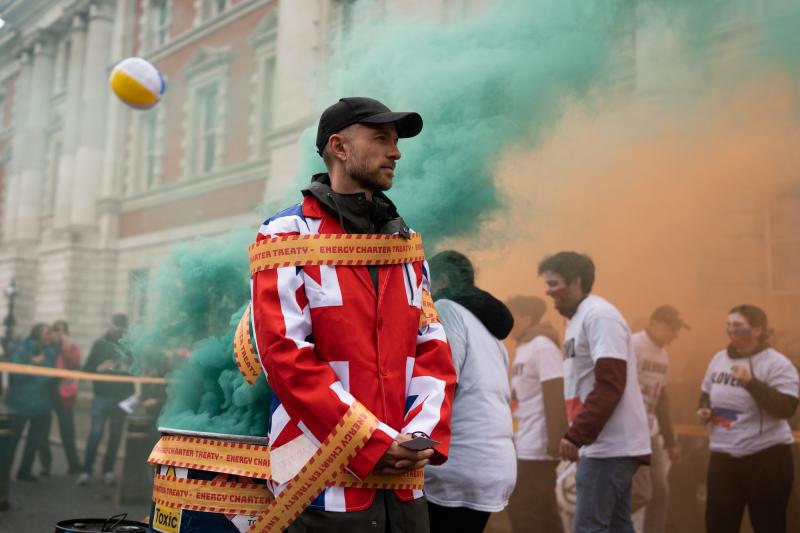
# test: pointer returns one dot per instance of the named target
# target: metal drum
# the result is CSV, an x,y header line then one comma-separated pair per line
x,y
115,524
172,520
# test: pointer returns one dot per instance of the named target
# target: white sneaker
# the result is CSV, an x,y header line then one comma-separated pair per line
x,y
84,478
109,479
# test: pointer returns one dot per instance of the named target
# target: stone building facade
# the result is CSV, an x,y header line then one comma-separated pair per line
x,y
93,194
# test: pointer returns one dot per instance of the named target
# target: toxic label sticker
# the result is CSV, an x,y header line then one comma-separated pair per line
x,y
166,519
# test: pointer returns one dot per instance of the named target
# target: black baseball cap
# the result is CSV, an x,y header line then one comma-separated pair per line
x,y
362,110
670,316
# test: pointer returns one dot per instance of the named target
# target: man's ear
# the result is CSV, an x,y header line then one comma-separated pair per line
x,y
336,147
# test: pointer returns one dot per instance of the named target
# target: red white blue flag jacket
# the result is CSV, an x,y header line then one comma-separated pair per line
x,y
325,337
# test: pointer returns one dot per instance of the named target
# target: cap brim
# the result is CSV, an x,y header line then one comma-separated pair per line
x,y
408,124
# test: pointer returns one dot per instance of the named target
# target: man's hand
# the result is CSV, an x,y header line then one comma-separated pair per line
x,y
704,414
568,451
399,460
741,373
105,366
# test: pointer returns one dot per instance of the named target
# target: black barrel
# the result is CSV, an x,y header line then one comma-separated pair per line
x,y
6,453
136,485
115,524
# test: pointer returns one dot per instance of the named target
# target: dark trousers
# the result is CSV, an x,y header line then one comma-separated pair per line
x,y
761,482
66,429
104,410
461,519
37,433
387,515
533,507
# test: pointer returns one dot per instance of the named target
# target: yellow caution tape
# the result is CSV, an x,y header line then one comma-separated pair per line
x,y
340,446
428,315
252,460
244,353
211,496
688,430
335,249
46,371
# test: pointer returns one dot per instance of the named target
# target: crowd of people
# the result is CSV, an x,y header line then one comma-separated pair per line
x,y
599,399
36,400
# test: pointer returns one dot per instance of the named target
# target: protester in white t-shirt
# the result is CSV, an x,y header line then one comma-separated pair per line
x,y
604,404
479,475
748,393
650,484
537,392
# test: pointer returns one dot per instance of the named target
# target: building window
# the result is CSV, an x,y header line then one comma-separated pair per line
x,y
268,84
158,23
65,58
150,149
205,110
205,141
784,243
211,8
264,42
138,281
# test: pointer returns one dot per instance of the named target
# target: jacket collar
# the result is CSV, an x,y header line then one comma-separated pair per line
x,y
353,212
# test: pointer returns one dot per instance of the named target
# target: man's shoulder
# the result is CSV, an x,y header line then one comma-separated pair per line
x,y
293,219
599,308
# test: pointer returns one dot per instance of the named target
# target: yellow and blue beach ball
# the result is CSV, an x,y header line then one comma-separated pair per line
x,y
137,82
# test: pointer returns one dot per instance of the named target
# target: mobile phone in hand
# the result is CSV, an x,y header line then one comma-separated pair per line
x,y
419,443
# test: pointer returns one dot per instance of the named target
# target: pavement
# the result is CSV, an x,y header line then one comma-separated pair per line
x,y
39,506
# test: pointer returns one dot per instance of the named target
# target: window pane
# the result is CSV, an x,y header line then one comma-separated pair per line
x,y
206,113
269,76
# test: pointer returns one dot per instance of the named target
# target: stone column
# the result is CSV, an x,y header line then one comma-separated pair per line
x,y
91,142
116,129
72,123
21,94
33,162
298,20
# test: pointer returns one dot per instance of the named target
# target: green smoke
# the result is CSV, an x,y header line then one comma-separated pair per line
x,y
201,290
481,85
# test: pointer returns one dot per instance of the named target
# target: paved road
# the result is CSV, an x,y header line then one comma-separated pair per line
x,y
37,507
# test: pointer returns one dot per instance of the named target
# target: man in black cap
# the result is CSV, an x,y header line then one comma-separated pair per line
x,y
329,336
357,139
650,485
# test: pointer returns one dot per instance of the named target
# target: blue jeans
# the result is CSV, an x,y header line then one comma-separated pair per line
x,y
104,409
604,495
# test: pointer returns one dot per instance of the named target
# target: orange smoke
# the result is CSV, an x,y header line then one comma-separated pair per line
x,y
676,204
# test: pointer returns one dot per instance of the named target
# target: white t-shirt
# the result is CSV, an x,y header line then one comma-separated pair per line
x,y
536,361
598,330
481,469
738,426
652,362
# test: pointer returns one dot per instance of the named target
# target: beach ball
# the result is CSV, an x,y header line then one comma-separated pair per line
x,y
137,83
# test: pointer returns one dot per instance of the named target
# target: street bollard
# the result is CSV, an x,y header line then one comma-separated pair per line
x,y
6,453
135,487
